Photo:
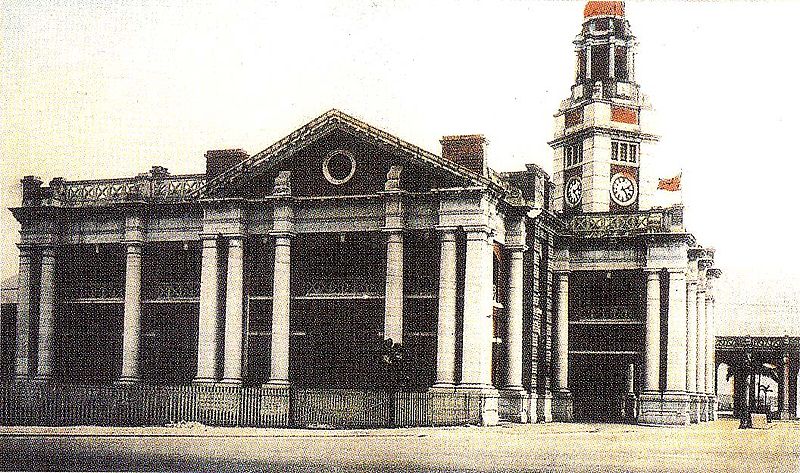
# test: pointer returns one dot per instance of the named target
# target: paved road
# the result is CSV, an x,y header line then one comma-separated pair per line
x,y
554,447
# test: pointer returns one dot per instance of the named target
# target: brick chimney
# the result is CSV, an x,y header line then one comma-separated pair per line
x,y
466,150
219,160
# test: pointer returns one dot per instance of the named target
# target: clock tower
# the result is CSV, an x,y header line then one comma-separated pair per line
x,y
603,139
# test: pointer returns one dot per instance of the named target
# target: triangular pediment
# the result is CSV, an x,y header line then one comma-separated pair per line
x,y
373,152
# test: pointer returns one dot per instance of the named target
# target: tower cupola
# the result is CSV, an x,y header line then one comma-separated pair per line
x,y
604,50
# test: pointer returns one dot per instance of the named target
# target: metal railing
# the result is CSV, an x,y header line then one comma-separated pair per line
x,y
25,403
342,286
98,290
171,291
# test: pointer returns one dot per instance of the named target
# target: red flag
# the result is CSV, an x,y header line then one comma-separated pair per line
x,y
672,184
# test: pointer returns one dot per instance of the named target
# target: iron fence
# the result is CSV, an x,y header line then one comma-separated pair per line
x,y
52,404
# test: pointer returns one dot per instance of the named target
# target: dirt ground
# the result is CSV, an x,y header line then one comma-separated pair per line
x,y
717,446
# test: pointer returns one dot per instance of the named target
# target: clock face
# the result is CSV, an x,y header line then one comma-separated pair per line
x,y
623,189
572,191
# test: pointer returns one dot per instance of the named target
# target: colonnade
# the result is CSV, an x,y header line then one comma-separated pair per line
x,y
690,336
221,308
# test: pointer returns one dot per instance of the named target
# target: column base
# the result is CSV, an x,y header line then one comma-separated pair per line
x,y
664,408
514,405
541,407
712,408
204,381
231,381
489,400
562,406
443,385
696,408
702,403
277,384
128,380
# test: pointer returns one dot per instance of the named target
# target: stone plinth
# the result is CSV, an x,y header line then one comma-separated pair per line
x,y
696,402
562,406
702,402
514,405
667,408
489,402
541,407
712,408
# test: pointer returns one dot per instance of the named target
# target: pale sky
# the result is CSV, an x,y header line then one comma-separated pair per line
x,y
112,89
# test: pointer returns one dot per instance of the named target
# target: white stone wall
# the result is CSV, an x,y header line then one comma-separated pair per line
x,y
596,173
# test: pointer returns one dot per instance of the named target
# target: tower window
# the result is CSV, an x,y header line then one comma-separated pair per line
x,y
573,153
624,152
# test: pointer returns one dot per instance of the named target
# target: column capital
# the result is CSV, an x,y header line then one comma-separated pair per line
x,y
562,271
48,251
447,234
652,271
514,249
282,234
482,231
25,248
235,240
701,287
209,236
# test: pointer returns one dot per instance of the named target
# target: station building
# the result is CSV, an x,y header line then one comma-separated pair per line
x,y
571,297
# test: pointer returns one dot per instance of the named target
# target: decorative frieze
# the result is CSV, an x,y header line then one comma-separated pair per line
x,y
757,343
631,224
157,186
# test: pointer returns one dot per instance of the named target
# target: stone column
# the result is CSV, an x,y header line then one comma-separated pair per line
x,y
794,384
474,326
132,315
711,381
208,329
281,301
652,347
693,334
676,345
446,324
23,314
44,369
588,61
514,343
709,337
561,342
562,398
232,370
700,305
611,59
783,389
630,58
489,292
393,321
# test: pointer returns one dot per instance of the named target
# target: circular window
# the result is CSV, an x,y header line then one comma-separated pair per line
x,y
338,167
